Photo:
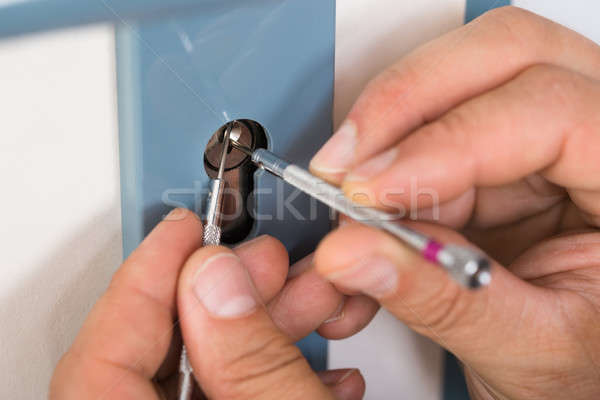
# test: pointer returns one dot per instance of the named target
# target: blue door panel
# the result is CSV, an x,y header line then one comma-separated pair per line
x,y
185,67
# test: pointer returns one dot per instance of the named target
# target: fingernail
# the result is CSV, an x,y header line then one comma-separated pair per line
x,y
375,277
176,214
224,288
337,154
301,266
333,377
338,314
373,167
253,241
346,376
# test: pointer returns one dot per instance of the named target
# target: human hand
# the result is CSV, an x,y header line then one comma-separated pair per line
x,y
499,124
239,316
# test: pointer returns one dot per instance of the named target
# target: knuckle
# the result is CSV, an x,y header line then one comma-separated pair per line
x,y
447,308
549,83
264,364
507,13
515,27
437,312
453,129
512,19
385,89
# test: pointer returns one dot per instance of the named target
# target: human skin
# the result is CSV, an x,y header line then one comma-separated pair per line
x,y
239,312
501,120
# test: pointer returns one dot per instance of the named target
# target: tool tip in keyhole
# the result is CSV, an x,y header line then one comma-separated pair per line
x,y
225,151
237,145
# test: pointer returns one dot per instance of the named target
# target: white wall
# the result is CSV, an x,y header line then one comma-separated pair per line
x,y
371,35
396,362
60,233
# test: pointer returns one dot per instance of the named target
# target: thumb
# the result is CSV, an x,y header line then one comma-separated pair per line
x,y
471,324
236,351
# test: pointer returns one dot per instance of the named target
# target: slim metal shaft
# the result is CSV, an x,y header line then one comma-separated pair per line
x,y
211,237
212,229
467,266
223,160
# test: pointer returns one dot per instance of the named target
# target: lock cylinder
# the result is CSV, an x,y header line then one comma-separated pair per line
x,y
236,219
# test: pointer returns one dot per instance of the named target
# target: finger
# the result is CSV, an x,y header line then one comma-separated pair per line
x,y
127,334
446,72
422,295
566,254
235,349
309,302
550,112
267,262
346,384
356,313
306,301
505,243
171,361
511,203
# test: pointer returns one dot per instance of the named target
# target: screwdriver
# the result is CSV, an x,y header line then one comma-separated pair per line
x,y
468,267
211,237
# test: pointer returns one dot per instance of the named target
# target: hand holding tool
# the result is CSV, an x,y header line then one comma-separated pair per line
x,y
211,237
467,266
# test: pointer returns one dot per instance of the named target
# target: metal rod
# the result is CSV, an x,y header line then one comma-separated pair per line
x,y
211,237
467,266
223,160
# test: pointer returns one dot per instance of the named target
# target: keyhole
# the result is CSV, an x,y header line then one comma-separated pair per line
x,y
237,221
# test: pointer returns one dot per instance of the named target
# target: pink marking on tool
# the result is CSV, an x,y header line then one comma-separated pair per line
x,y
431,251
